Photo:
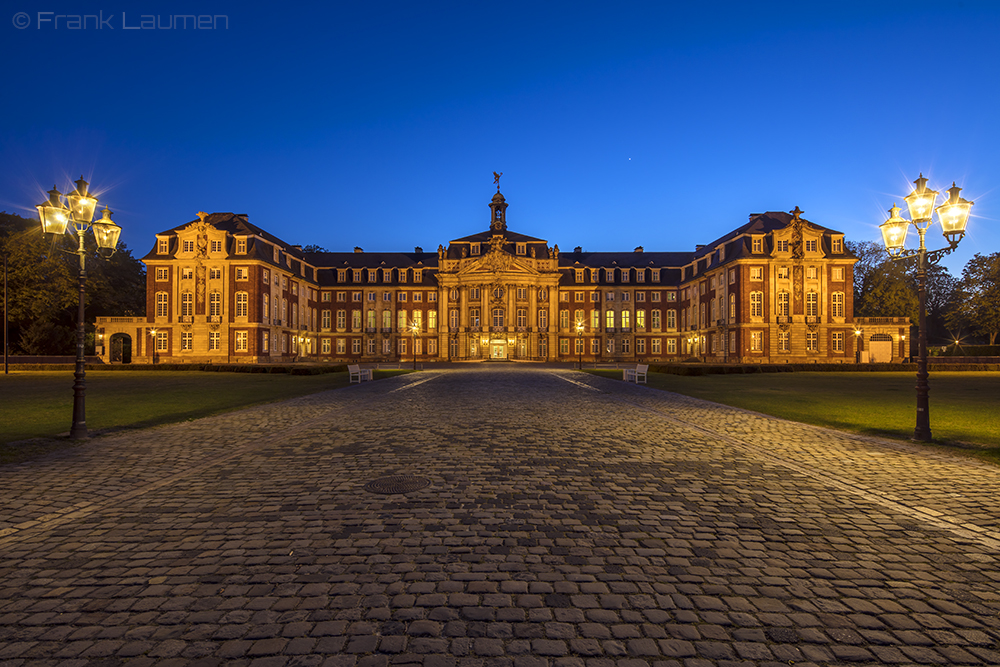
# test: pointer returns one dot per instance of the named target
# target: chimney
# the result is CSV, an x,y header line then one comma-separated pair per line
x,y
699,247
418,250
638,248
578,250
358,250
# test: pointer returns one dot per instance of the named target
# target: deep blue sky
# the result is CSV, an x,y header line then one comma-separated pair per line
x,y
379,124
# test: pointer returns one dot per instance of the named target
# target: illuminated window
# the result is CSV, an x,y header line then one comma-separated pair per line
x,y
161,304
609,319
783,303
640,319
756,341
241,341
626,321
837,304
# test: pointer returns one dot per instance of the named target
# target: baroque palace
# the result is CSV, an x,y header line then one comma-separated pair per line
x,y
777,289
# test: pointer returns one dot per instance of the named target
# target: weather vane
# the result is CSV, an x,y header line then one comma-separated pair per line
x,y
496,179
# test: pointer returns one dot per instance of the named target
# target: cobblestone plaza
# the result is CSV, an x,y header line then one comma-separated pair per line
x,y
567,520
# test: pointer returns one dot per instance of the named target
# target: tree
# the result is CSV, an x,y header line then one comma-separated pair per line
x,y
980,291
43,289
882,287
314,248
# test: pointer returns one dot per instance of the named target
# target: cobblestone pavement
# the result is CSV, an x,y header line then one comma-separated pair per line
x,y
570,521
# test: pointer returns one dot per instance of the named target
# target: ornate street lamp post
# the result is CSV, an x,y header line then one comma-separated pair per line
x,y
953,216
55,218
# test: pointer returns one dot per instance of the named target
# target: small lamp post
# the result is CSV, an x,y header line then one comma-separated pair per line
x,y
152,342
414,329
579,342
857,346
56,218
953,216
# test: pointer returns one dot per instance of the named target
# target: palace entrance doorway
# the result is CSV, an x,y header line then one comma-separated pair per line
x,y
498,351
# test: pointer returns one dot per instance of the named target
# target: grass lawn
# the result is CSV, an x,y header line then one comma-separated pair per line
x,y
964,407
39,404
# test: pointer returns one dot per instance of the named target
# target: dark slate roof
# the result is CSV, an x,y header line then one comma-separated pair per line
x,y
625,259
511,237
372,260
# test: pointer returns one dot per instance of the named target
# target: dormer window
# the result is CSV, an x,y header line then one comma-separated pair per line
x,y
216,246
781,246
162,246
609,275
372,273
357,275
341,275
811,246
241,246
474,249
522,248
640,275
656,275
625,274
757,244
837,245
277,255
188,246
593,275
579,275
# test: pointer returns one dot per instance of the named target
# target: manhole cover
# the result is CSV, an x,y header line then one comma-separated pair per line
x,y
397,484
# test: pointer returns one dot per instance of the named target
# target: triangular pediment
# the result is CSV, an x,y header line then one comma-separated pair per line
x,y
493,263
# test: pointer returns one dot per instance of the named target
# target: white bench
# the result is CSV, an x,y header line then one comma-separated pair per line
x,y
359,374
637,374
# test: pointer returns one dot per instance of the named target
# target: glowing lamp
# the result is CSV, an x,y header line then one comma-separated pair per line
x,y
106,231
954,215
894,232
921,201
81,203
52,214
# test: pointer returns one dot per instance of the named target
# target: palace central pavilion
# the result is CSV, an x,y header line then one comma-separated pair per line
x,y
776,289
